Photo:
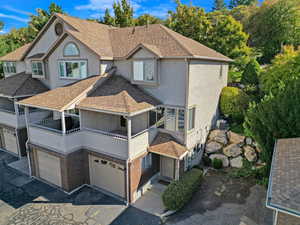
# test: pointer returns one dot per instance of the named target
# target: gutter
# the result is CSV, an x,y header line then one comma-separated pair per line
x,y
273,206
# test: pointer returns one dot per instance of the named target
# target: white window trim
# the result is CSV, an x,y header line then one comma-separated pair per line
x,y
69,43
65,69
176,118
145,82
43,69
194,121
14,64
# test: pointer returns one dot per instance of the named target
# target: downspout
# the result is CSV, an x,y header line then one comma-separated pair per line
x,y
187,88
27,121
127,161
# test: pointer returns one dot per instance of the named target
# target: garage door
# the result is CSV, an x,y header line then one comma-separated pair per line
x,y
10,141
107,175
49,168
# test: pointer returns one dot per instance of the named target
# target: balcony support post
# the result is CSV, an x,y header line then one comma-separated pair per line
x,y
63,123
16,108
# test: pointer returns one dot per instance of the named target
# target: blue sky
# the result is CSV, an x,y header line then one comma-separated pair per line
x,y
15,13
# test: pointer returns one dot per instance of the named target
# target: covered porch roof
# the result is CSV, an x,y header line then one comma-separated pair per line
x,y
166,145
284,183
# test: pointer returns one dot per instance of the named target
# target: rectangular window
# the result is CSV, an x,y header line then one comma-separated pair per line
x,y
191,118
180,123
73,69
37,68
144,70
147,162
170,119
9,67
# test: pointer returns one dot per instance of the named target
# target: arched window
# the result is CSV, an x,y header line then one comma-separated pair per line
x,y
71,50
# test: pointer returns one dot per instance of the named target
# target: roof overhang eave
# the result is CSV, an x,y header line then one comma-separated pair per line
x,y
39,107
102,111
167,155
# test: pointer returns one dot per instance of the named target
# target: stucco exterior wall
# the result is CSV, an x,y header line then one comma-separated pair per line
x,y
139,122
206,80
172,80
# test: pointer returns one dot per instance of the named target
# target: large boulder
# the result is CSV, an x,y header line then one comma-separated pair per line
x,y
249,141
213,147
224,159
235,138
250,153
218,136
236,162
232,150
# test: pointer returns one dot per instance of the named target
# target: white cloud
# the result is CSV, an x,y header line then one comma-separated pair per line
x,y
24,20
160,11
12,9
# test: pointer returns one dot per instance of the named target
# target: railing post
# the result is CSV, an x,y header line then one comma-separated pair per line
x,y
27,120
63,123
129,134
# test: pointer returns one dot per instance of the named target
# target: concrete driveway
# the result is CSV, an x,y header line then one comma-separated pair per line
x,y
27,201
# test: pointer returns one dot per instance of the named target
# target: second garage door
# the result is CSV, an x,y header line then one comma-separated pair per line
x,y
49,168
10,141
107,175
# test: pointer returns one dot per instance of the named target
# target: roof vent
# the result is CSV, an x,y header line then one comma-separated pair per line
x,y
133,30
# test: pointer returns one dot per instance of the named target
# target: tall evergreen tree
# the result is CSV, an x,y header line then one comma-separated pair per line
x,y
219,5
108,19
235,3
123,14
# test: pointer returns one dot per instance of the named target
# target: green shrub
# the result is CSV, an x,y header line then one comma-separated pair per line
x,y
217,163
178,193
233,103
234,76
251,73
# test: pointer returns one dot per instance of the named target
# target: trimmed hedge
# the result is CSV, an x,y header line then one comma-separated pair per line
x,y
233,103
178,193
251,73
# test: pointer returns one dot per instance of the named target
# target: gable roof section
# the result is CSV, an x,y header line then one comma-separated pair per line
x,y
284,183
166,145
118,95
21,85
16,55
60,98
112,42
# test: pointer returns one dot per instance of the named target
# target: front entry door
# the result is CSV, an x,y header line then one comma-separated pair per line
x,y
167,166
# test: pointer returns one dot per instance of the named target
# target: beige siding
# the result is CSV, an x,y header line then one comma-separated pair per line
x,y
85,54
172,80
205,84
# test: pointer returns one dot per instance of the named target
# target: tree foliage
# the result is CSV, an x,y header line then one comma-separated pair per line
x,y
274,117
274,24
219,5
216,30
251,73
147,19
284,68
123,14
235,3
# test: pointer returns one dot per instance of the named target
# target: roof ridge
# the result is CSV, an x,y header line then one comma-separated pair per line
x,y
22,83
174,38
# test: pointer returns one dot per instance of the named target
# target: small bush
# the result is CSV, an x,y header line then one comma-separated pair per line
x,y
251,73
233,103
234,76
178,193
217,163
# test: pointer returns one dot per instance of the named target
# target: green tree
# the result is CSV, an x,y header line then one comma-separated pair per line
x,y
284,68
235,3
274,117
108,19
38,21
219,5
123,14
274,24
147,19
251,73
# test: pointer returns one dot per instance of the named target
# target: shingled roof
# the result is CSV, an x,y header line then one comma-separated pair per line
x,y
60,98
21,85
17,54
284,184
118,95
166,145
111,42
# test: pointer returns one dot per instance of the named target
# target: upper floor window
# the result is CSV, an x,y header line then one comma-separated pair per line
x,y
192,118
9,67
71,49
37,68
144,70
174,120
73,69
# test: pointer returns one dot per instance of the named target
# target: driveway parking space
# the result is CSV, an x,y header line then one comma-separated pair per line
x,y
28,201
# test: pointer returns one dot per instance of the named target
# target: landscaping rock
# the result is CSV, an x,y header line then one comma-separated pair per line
x,y
250,153
249,141
235,138
213,147
236,162
218,136
224,159
258,149
232,150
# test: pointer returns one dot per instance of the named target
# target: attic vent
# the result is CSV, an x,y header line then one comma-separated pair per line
x,y
59,29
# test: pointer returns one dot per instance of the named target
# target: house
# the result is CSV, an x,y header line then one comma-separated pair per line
x,y
124,105
284,184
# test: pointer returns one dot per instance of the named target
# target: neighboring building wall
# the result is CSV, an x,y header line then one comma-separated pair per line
x,y
93,63
206,80
172,80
